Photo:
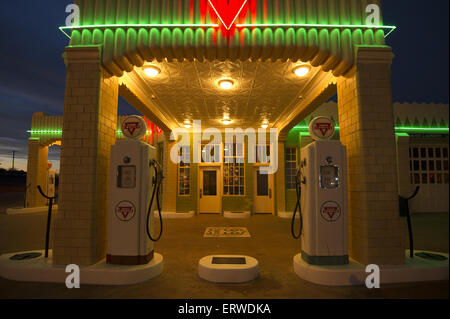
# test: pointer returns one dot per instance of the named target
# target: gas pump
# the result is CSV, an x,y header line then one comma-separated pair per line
x,y
135,175
322,191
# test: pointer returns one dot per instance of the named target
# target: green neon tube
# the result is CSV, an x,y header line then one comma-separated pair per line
x,y
151,25
401,129
263,25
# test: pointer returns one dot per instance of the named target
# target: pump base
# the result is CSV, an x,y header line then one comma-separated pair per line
x,y
42,269
354,274
129,260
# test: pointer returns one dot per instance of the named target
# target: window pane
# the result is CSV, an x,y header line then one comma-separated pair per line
x,y
438,165
416,178
415,152
445,152
423,152
430,152
439,178
262,184
423,165
445,165
438,152
210,183
291,163
432,178
416,166
446,178
425,178
233,169
431,165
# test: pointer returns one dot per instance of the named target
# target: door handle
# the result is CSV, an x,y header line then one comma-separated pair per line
x,y
201,193
270,192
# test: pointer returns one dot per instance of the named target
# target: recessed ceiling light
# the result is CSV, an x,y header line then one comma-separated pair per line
x,y
226,84
187,124
302,70
151,70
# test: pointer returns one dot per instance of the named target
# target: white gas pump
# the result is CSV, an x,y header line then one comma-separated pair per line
x,y
323,179
134,177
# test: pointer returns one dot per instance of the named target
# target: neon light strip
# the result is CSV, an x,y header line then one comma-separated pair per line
x,y
228,27
422,129
443,130
330,26
34,132
400,129
391,28
106,26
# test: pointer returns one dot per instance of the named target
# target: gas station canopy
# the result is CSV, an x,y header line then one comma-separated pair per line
x,y
131,32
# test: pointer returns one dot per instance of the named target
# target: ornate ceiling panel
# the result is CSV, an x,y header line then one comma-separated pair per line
x,y
190,91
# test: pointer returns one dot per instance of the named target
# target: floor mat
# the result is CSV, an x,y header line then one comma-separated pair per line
x,y
226,232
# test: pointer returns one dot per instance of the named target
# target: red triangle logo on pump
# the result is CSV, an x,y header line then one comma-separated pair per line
x,y
228,10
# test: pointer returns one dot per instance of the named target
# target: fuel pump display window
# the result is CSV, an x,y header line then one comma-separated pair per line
x,y
126,176
329,177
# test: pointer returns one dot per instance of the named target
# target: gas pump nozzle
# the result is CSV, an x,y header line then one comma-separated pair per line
x,y
298,189
156,181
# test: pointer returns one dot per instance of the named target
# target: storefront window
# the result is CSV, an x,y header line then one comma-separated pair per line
x,y
210,153
291,167
263,153
233,169
429,165
184,170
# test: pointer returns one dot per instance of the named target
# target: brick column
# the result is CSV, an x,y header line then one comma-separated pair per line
x,y
169,196
89,129
36,173
280,179
367,129
404,179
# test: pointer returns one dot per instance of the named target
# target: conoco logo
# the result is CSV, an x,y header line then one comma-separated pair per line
x,y
125,211
131,127
323,128
330,211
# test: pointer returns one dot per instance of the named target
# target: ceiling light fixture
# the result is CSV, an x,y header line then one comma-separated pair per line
x,y
151,70
226,84
302,70
226,121
187,124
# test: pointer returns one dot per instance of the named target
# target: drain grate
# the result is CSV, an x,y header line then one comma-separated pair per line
x,y
25,256
228,260
431,256
226,232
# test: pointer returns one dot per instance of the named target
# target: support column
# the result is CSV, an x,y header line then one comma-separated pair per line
x,y
89,130
36,173
376,232
280,179
170,178
404,179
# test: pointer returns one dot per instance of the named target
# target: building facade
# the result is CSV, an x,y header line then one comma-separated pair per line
x,y
272,65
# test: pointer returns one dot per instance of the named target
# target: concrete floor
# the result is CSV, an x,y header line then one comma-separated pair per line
x,y
183,245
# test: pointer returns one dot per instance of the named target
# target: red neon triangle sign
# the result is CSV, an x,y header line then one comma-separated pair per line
x,y
228,10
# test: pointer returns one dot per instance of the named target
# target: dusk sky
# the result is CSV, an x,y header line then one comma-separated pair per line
x,y
33,74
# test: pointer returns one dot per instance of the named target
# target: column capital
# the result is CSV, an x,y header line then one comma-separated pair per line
x,y
373,54
87,54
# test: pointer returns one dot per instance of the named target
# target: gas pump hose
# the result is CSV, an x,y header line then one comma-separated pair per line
x,y
156,187
298,190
